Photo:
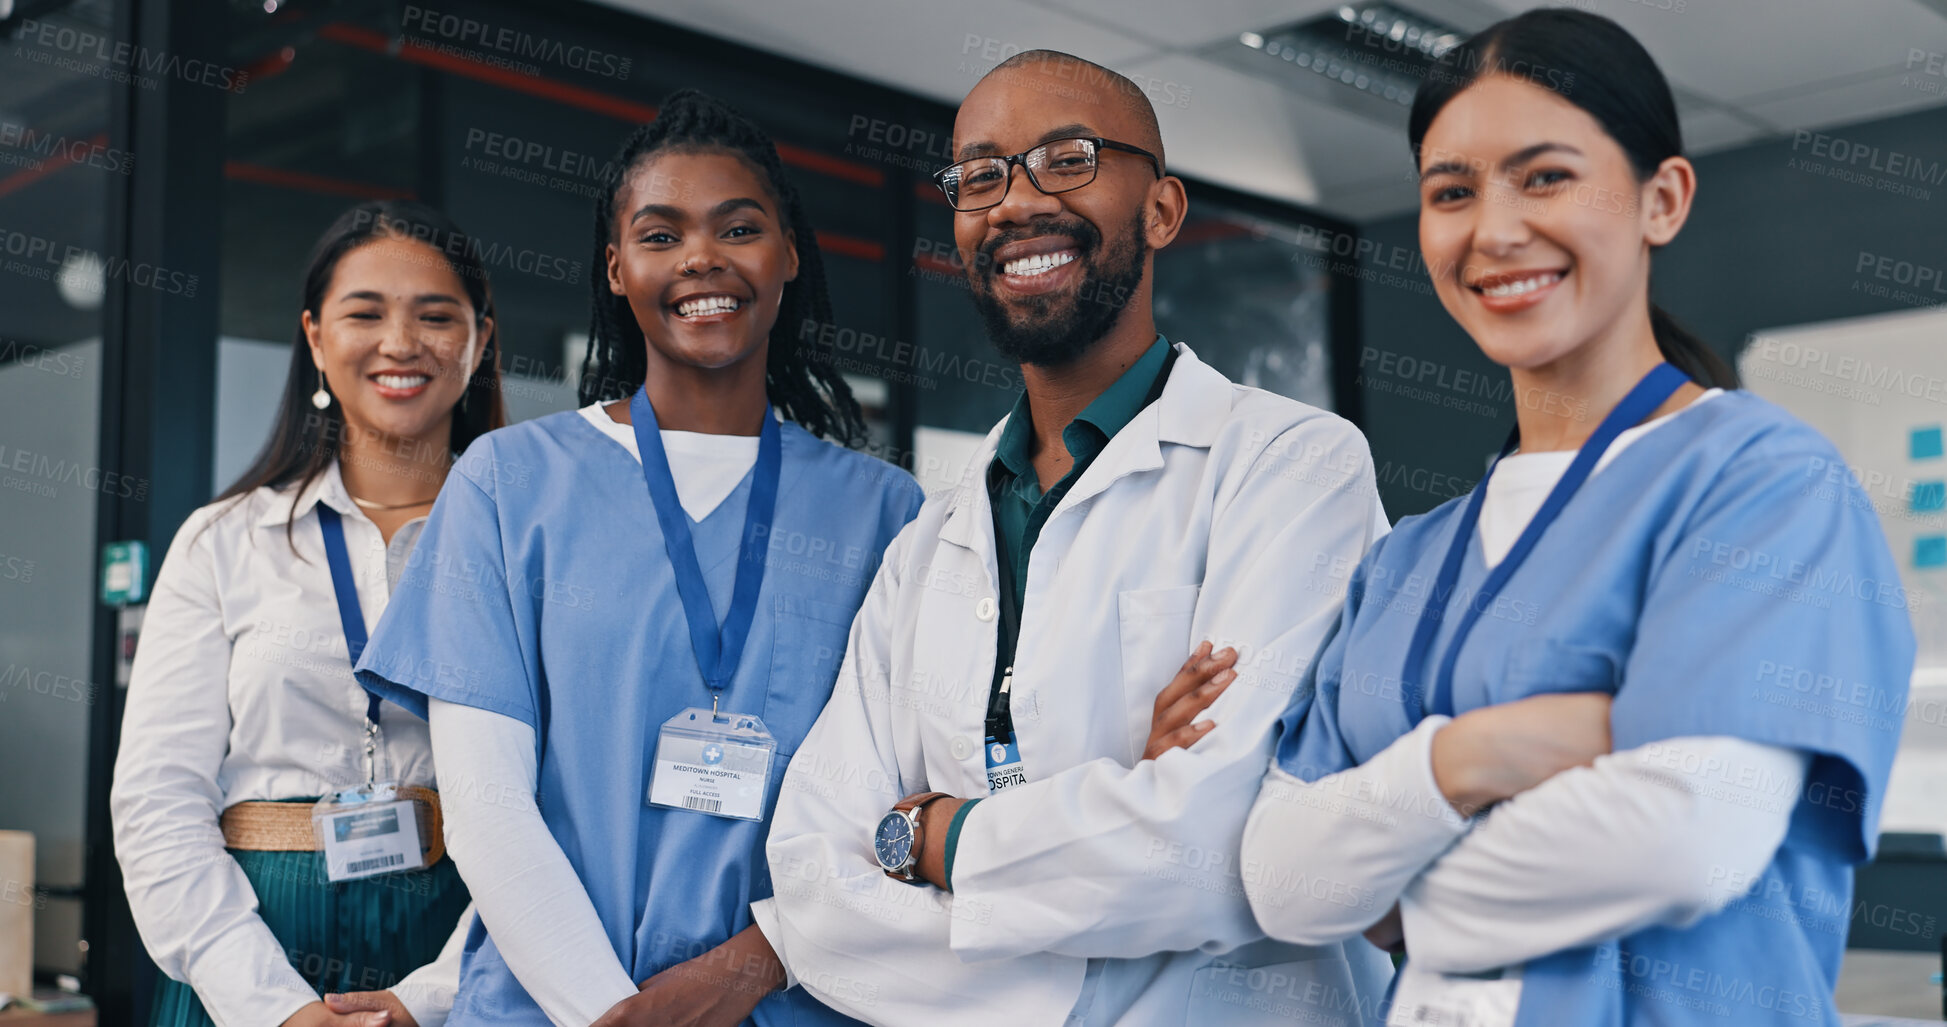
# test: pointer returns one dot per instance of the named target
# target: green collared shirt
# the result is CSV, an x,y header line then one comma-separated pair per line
x,y
1021,508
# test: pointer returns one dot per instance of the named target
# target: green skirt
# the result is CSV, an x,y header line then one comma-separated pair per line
x,y
349,936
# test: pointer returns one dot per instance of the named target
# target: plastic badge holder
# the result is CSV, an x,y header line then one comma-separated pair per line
x,y
367,831
1004,768
715,763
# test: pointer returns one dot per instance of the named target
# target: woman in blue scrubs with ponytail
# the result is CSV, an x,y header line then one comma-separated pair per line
x,y
622,620
1560,748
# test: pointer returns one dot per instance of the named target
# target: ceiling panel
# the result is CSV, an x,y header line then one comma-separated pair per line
x,y
1191,25
1729,50
1882,97
1244,132
1743,70
938,50
1710,130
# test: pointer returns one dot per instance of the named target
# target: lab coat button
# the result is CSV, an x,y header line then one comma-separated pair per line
x,y
961,747
985,608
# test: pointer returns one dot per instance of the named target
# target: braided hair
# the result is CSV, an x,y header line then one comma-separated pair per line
x,y
814,395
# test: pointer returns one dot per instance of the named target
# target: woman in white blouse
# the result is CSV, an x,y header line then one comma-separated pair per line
x,y
242,710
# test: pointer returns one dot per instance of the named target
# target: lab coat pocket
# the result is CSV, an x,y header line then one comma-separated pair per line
x,y
1541,666
1318,989
1154,630
807,646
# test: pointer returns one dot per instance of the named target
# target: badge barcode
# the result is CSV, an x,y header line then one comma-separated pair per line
x,y
359,866
706,805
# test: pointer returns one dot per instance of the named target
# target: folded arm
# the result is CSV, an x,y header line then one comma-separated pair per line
x,y
1644,837
1305,505
870,947
1325,859
1330,855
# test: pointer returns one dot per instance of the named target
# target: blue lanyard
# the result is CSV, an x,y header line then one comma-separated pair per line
x,y
1648,394
346,587
717,650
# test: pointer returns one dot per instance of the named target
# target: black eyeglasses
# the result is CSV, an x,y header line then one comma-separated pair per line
x,y
1056,166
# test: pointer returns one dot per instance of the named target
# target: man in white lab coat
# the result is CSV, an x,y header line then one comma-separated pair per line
x,y
1012,648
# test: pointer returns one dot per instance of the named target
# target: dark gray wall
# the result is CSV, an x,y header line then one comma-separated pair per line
x,y
1776,238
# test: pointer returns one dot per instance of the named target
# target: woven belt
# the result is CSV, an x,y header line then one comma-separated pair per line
x,y
286,826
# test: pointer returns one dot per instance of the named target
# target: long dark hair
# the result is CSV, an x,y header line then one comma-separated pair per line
x,y
1596,65
305,440
814,395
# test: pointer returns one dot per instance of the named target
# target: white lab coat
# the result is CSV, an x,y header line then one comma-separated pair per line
x,y
1105,888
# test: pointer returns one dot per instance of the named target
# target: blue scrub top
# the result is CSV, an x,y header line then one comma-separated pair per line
x,y
541,590
1722,576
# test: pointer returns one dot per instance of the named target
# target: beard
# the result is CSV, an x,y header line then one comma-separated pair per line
x,y
1055,330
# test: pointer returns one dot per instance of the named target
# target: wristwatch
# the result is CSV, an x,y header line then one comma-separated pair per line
x,y
897,841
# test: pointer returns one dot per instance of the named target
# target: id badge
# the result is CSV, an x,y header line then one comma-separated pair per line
x,y
715,763
1004,765
367,831
1425,998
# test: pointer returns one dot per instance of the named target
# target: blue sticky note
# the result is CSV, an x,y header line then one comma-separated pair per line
x,y
1929,495
1930,551
1924,443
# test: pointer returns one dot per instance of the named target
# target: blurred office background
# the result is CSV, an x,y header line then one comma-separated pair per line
x,y
166,164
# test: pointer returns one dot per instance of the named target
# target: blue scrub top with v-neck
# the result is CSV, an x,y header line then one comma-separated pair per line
x,y
1722,576
542,590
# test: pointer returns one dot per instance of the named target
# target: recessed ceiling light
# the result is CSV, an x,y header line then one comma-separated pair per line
x,y
1380,49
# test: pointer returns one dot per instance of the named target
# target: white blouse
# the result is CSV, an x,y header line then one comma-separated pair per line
x,y
241,690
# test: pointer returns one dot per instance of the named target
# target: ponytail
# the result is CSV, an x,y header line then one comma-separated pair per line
x,y
1690,354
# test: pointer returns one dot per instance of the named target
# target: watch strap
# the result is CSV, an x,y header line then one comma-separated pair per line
x,y
916,800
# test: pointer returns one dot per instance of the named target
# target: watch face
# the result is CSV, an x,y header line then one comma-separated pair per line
x,y
893,843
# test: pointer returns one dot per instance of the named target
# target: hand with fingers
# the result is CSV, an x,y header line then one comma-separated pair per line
x,y
355,1009
716,989
1202,678
385,1002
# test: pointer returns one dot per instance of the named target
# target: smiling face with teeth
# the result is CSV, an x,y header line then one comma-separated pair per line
x,y
1054,275
397,339
1537,230
701,254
